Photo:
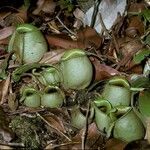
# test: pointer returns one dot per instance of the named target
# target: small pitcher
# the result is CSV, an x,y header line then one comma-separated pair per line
x,y
104,119
78,118
129,127
30,97
52,97
48,76
117,91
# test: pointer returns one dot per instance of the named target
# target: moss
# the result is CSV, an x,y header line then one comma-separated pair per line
x,y
27,131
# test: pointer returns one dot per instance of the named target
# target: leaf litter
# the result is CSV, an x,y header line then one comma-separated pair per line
x,y
120,47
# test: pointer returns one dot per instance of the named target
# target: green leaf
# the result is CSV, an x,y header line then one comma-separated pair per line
x,y
146,14
141,56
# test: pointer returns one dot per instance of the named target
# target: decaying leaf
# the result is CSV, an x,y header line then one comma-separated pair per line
x,y
103,71
6,32
55,122
47,6
3,67
62,41
87,37
53,56
5,131
4,91
128,50
136,7
94,138
12,101
115,144
135,27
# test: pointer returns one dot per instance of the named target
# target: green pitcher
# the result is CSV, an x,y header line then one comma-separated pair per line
x,y
78,118
129,127
103,117
30,97
52,97
28,44
76,68
117,91
48,76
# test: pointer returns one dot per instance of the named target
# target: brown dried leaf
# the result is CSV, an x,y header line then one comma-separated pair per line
x,y
103,71
94,139
5,131
66,146
63,41
55,122
52,57
16,18
47,6
128,49
115,144
136,7
135,27
6,32
129,45
4,91
4,41
89,37
12,102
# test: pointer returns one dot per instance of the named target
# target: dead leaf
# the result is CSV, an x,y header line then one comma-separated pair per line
x,y
114,144
63,41
78,13
89,37
103,71
6,32
94,138
55,122
131,67
135,27
16,18
47,6
12,102
53,56
5,131
128,49
5,90
4,41
136,7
